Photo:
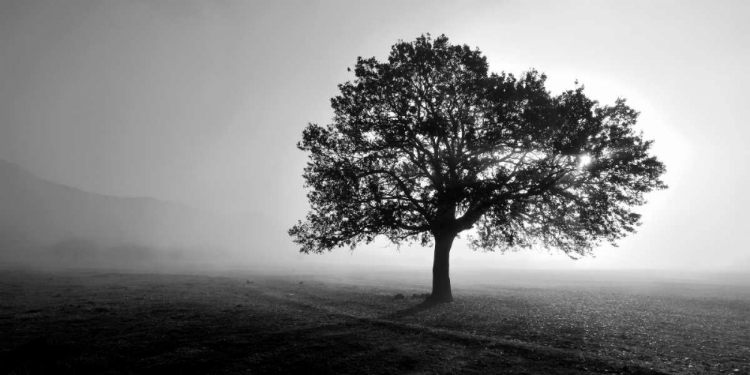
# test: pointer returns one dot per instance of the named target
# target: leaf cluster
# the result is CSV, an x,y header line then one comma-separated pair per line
x,y
430,143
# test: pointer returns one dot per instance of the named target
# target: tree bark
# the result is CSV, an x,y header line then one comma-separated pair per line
x,y
441,281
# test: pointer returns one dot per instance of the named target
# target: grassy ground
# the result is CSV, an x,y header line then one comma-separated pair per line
x,y
95,322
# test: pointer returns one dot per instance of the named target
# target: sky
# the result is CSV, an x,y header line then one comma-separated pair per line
x,y
202,102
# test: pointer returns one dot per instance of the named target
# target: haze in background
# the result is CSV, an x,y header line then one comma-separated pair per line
x,y
202,103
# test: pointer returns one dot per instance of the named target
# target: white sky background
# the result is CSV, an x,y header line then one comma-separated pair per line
x,y
203,101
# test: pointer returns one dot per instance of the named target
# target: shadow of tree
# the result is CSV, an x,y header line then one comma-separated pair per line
x,y
413,310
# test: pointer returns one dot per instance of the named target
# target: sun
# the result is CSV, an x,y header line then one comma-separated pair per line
x,y
584,160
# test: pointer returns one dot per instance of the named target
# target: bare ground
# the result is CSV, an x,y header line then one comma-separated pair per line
x,y
95,322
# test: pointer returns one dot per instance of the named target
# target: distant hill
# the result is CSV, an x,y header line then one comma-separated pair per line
x,y
40,218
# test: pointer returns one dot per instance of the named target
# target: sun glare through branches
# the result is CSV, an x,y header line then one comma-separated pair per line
x,y
584,160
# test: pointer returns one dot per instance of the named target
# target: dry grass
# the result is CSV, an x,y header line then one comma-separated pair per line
x,y
92,322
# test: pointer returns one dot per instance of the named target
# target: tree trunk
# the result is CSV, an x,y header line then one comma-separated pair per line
x,y
441,281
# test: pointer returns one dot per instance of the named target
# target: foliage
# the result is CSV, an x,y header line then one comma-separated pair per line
x,y
429,143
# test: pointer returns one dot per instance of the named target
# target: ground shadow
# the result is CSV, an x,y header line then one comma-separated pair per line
x,y
413,310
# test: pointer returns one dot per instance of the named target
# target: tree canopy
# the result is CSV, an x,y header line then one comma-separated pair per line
x,y
430,144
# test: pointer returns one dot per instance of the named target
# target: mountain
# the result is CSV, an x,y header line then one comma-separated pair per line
x,y
40,218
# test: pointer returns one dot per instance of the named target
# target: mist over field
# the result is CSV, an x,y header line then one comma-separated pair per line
x,y
53,225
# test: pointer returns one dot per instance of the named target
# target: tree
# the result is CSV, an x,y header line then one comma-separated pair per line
x,y
429,144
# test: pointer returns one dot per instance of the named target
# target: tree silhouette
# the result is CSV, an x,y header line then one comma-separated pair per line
x,y
429,144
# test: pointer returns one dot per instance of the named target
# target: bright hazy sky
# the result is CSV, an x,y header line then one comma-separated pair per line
x,y
202,102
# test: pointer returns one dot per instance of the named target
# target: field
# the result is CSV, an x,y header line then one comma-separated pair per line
x,y
254,322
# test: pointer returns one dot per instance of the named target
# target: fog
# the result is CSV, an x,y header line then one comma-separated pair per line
x,y
162,135
49,224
